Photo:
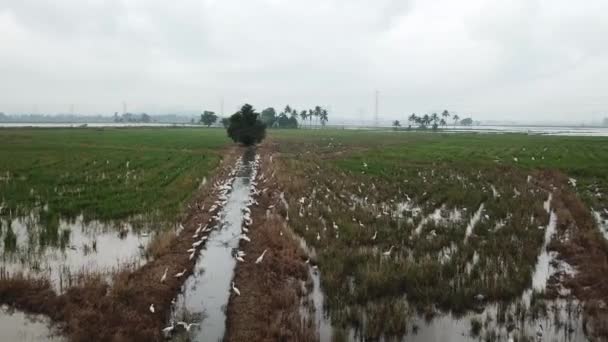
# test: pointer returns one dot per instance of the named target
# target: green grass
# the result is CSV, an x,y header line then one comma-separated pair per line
x,y
84,171
435,170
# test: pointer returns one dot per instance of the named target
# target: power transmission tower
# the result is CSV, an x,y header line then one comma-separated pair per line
x,y
376,109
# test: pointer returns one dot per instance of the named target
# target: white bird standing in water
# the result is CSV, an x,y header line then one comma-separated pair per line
x,y
318,236
164,277
186,325
375,234
240,258
152,308
180,274
388,253
235,289
261,257
245,237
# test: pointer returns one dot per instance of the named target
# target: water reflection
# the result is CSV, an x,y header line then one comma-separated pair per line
x,y
59,249
206,293
18,326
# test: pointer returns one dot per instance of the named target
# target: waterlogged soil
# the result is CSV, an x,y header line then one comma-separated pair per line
x,y
206,292
83,248
18,326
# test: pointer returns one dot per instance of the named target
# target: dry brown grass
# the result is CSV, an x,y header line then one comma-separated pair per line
x,y
581,245
267,309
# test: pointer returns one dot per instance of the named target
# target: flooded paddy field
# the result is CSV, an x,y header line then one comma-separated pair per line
x,y
450,237
84,206
324,235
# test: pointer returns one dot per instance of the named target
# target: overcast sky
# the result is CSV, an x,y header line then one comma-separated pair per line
x,y
519,59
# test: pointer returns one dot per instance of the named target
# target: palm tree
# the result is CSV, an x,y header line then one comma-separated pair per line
x,y
287,109
317,113
445,114
324,117
310,115
442,122
435,119
413,118
426,120
303,116
455,118
396,124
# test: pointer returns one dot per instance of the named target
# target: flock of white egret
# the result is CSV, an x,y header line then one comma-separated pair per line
x,y
202,232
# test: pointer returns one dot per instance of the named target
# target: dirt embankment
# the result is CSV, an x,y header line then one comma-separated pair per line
x,y
581,245
95,311
268,307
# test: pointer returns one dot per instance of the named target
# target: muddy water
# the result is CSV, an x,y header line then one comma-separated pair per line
x,y
206,293
84,247
18,326
563,321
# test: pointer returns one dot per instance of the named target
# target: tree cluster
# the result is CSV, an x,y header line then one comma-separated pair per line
x,y
288,118
130,117
433,121
245,126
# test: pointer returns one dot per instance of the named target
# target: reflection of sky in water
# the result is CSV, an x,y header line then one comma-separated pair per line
x,y
448,327
92,246
207,291
17,326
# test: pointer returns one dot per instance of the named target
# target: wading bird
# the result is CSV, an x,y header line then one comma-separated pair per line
x,y
245,237
152,308
180,274
318,236
388,253
169,330
186,325
164,277
261,257
240,258
235,289
375,234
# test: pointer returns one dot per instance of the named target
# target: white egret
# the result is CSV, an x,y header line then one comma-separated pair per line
x,y
235,289
388,253
375,235
318,236
245,237
240,253
180,274
186,325
197,243
168,330
240,258
192,255
261,257
152,308
164,277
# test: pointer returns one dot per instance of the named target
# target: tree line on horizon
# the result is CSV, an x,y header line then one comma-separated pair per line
x,y
288,118
434,120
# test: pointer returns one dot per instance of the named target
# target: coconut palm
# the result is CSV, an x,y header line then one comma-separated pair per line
x,y
303,116
442,122
323,116
426,120
455,118
413,118
445,114
317,113
310,115
287,109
